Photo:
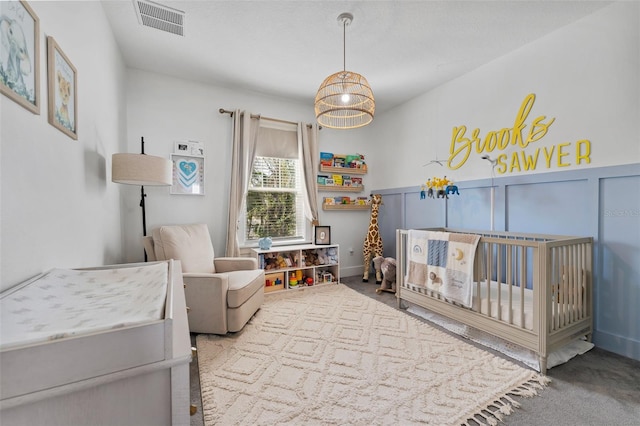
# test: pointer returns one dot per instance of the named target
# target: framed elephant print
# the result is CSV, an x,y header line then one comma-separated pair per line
x,y
20,54
188,174
62,79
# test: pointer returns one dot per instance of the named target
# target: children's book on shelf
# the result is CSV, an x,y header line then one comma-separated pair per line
x,y
326,159
339,160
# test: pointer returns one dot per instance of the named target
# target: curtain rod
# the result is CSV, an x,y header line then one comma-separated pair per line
x,y
225,111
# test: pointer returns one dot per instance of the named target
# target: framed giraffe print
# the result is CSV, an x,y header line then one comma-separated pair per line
x,y
322,235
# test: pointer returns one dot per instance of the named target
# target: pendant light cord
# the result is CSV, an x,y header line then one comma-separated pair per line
x,y
344,45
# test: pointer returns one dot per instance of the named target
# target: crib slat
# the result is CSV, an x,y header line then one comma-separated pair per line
x,y
581,278
499,278
558,285
574,284
479,275
489,276
523,282
510,250
555,289
569,276
563,306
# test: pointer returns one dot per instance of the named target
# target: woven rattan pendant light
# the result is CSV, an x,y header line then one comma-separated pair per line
x,y
344,99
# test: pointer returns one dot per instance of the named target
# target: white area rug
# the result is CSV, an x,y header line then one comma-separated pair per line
x,y
329,355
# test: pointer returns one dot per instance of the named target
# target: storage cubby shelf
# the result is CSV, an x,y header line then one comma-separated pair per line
x,y
293,260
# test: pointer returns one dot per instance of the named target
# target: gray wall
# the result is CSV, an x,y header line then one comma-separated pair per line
x,y
603,203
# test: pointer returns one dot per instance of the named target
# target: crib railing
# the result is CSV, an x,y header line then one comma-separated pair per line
x,y
569,275
546,277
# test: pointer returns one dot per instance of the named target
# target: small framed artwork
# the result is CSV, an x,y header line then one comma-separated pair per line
x,y
189,148
62,79
20,54
188,174
322,235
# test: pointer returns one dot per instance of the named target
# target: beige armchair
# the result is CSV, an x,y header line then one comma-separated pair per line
x,y
222,293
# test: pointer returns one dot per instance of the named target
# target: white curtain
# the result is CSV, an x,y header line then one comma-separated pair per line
x,y
245,136
310,157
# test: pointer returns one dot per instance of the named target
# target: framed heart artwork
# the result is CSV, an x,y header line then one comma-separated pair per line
x,y
188,174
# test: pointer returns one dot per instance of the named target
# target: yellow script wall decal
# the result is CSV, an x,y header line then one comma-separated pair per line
x,y
520,135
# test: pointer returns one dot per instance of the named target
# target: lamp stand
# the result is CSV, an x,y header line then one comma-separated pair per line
x,y
144,214
142,204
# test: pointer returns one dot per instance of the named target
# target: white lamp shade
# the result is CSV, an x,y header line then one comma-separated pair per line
x,y
141,169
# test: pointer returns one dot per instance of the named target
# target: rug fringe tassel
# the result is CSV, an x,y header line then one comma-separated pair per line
x,y
531,387
495,412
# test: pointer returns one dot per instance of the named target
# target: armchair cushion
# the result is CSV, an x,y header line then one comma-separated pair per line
x,y
191,244
243,285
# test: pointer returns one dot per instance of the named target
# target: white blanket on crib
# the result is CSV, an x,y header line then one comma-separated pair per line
x,y
442,262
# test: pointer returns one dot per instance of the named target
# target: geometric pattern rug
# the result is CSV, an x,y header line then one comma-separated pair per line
x,y
330,355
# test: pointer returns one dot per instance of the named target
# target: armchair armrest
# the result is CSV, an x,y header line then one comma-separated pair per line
x,y
206,296
230,264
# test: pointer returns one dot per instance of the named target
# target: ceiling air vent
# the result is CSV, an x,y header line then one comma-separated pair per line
x,y
160,17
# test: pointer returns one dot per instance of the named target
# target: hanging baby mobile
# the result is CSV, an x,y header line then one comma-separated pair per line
x,y
437,187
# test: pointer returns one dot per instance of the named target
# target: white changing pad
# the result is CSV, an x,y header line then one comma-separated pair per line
x,y
68,302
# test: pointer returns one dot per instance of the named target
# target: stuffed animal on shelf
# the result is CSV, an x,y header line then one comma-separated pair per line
x,y
332,255
387,266
323,259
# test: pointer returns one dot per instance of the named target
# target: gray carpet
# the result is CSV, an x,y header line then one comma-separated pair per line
x,y
597,388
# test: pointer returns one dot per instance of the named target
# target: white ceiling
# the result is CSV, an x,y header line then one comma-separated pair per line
x,y
287,48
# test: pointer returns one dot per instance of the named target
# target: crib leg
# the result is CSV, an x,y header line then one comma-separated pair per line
x,y
401,305
543,364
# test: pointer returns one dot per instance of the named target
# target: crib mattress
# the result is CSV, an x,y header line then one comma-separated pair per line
x,y
490,298
481,304
68,302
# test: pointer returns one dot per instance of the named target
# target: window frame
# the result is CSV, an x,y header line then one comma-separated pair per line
x,y
303,224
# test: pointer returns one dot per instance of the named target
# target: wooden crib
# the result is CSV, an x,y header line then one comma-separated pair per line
x,y
532,290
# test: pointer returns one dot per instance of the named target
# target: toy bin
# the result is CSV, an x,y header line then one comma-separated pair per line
x,y
271,280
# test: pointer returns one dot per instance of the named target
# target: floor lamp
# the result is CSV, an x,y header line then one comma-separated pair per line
x,y
144,170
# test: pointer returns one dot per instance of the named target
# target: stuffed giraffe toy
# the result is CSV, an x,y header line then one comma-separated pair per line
x,y
372,246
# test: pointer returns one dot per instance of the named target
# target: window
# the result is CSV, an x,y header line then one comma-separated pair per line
x,y
275,201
